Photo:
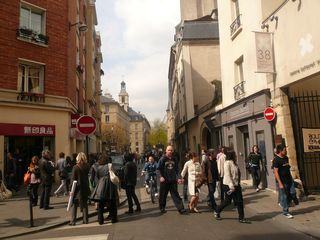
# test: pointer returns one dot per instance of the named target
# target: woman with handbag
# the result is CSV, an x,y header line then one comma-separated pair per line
x,y
105,192
80,173
193,168
35,179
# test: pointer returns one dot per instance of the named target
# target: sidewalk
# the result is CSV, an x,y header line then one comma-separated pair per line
x,y
15,216
264,204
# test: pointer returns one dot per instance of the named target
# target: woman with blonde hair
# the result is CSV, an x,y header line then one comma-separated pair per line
x,y
193,168
80,173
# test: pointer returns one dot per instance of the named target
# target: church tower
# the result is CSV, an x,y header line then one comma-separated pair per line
x,y
124,96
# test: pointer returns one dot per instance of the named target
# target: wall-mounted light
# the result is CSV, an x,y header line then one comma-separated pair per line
x,y
265,25
81,26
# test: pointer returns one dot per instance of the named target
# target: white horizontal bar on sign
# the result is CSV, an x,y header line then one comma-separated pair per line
x,y
86,125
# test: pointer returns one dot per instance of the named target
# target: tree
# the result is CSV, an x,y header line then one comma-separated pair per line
x,y
158,133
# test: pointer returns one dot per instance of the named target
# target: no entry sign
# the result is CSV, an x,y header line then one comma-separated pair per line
x,y
86,125
269,114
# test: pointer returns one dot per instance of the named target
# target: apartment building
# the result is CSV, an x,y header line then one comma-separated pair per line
x,y
194,77
44,85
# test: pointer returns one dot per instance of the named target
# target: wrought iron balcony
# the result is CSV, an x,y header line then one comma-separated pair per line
x,y
239,91
235,25
31,97
32,36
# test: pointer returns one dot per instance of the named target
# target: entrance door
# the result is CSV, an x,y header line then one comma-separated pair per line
x,y
243,147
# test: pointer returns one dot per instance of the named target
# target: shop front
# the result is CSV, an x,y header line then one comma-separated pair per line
x,y
25,141
244,125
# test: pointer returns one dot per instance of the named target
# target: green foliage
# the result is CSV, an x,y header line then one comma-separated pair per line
x,y
158,133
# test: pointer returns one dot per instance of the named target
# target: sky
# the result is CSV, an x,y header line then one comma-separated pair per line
x,y
136,39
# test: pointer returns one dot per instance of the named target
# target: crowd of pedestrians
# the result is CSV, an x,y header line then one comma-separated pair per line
x,y
96,181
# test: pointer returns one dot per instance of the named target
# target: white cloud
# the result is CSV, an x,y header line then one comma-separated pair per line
x,y
136,39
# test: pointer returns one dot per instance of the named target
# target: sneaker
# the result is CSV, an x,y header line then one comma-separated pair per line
x,y
279,205
147,186
288,215
156,194
257,189
216,216
244,220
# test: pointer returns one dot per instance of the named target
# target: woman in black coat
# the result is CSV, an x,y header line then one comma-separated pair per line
x,y
105,193
80,173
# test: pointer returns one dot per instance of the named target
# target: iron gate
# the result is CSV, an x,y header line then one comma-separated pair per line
x,y
305,113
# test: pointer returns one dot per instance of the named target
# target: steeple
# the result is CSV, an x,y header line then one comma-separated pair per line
x,y
124,97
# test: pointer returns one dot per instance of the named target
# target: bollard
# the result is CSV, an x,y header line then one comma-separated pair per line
x,y
30,205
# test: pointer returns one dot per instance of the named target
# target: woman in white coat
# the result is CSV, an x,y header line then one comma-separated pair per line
x,y
193,168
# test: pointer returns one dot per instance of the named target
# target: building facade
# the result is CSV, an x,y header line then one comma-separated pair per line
x,y
295,88
115,126
194,77
44,85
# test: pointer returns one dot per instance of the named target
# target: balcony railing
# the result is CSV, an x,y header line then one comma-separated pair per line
x,y
238,91
235,25
32,36
31,97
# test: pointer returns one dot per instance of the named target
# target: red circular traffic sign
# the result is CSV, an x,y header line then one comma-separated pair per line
x,y
269,114
86,125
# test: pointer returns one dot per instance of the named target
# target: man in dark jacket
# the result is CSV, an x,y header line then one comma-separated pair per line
x,y
130,176
211,175
46,172
168,169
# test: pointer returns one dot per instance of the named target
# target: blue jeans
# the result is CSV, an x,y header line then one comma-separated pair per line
x,y
287,193
256,176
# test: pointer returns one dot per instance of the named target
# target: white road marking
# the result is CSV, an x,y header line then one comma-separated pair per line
x,y
87,237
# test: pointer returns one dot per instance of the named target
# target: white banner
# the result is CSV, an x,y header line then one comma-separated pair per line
x,y
264,52
311,139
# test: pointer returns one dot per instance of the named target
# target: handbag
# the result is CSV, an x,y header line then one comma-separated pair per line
x,y
27,178
113,177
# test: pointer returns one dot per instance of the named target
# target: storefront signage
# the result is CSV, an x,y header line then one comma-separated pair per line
x,y
11,129
307,67
74,119
311,139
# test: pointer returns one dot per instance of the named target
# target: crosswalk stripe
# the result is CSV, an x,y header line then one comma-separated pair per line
x,y
87,237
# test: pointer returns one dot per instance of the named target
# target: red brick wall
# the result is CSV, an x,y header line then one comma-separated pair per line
x,y
55,56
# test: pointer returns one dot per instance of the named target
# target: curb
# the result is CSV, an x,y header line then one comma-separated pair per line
x,y
92,214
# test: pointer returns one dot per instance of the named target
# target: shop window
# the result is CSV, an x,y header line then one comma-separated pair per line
x,y
31,78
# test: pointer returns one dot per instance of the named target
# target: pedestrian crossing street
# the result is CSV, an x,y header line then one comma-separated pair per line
x,y
87,237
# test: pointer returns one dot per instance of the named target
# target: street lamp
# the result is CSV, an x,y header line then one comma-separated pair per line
x,y
81,26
